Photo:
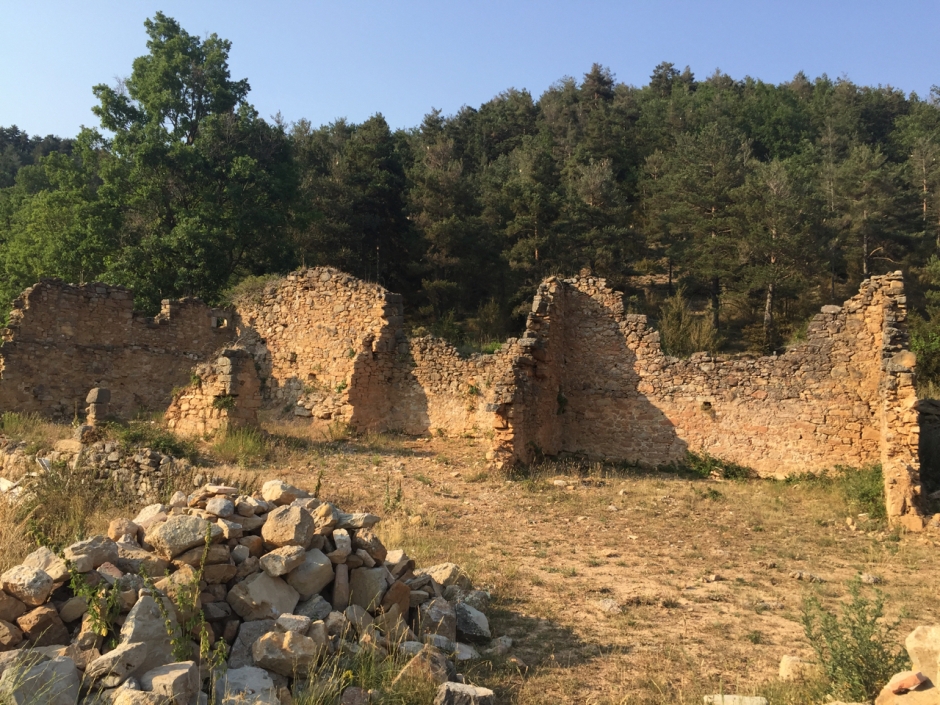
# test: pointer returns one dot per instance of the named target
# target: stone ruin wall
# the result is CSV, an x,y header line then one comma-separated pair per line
x,y
225,394
333,348
584,378
62,340
596,382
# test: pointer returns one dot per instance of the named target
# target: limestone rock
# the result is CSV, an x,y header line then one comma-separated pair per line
x,y
89,554
221,507
447,574
341,587
180,533
463,694
428,663
145,624
283,560
371,544
179,682
247,684
48,562
292,623
10,607
43,627
316,608
134,559
286,653
472,624
248,634
29,585
353,695
288,526
118,663
311,576
54,682
360,520
125,696
10,636
897,691
367,587
923,646
281,493
262,597
439,617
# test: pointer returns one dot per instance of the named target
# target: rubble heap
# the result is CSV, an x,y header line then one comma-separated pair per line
x,y
271,584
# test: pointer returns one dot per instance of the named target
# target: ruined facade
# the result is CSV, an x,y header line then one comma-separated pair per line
x,y
223,394
62,340
584,378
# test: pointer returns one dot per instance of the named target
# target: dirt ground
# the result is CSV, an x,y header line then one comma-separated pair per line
x,y
626,588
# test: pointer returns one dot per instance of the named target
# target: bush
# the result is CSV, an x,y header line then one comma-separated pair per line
x,y
245,446
682,331
857,652
249,289
703,465
145,434
863,489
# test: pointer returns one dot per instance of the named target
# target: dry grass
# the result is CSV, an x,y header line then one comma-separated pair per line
x,y
617,586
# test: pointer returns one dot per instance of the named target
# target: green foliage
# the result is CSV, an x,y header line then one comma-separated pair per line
x,y
858,651
703,465
681,331
147,434
250,290
103,601
862,489
244,446
224,402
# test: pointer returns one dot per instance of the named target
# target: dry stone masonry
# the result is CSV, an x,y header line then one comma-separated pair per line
x,y
277,583
63,340
585,377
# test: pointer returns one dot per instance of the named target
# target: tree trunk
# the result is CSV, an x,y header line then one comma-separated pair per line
x,y
769,318
716,292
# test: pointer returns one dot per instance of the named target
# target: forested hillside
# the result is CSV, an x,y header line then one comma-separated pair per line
x,y
727,209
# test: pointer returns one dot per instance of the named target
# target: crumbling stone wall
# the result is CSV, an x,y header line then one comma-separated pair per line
x,y
224,394
597,382
62,340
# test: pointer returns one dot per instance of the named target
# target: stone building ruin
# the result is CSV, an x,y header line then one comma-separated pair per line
x,y
585,377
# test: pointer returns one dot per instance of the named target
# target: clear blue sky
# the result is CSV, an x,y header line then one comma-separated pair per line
x,y
353,58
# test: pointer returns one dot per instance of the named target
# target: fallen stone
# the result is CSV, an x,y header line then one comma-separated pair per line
x,y
248,634
117,664
43,627
898,691
353,695
367,587
89,554
292,623
463,694
179,682
281,493
447,574
134,559
283,560
288,526
439,617
923,646
145,624
370,543
53,682
311,576
286,653
48,562
221,507
472,625
341,588
11,636
315,608
10,607
31,586
180,533
793,668
262,597
360,520
430,664
248,684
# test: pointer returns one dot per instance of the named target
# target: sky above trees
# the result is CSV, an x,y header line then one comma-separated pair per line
x,y
322,61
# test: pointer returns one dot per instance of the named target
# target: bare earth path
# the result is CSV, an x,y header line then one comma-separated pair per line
x,y
627,588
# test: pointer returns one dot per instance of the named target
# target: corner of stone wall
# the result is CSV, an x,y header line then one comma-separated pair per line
x,y
224,394
900,427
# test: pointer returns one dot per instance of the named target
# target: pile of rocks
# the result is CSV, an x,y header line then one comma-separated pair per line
x,y
274,582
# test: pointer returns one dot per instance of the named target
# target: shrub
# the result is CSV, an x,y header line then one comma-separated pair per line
x,y
702,465
249,289
863,489
857,652
146,434
245,446
682,331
